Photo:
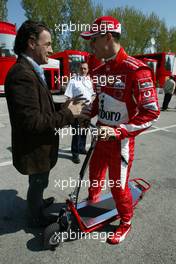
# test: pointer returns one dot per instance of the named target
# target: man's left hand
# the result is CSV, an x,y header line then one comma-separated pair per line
x,y
107,133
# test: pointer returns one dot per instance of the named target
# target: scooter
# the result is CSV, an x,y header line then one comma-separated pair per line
x,y
90,216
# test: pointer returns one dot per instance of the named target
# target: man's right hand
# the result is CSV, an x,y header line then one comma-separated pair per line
x,y
75,105
76,108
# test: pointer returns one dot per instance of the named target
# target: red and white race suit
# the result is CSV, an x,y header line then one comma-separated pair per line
x,y
127,101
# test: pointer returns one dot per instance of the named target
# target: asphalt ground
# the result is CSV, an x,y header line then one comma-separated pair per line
x,y
152,238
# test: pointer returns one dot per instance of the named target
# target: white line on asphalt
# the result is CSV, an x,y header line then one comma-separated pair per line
x,y
158,129
9,162
6,163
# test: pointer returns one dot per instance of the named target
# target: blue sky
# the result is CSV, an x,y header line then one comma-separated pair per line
x,y
164,9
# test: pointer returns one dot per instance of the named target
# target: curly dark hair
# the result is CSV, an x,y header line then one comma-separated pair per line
x,y
29,29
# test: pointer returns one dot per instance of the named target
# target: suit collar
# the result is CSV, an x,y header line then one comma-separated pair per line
x,y
28,64
23,60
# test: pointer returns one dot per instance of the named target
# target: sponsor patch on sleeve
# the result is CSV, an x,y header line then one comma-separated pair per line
x,y
147,91
147,95
145,83
151,106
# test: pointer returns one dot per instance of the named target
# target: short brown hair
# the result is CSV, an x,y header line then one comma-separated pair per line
x,y
27,30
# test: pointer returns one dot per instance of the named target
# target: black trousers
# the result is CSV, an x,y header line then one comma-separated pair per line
x,y
167,98
78,139
37,183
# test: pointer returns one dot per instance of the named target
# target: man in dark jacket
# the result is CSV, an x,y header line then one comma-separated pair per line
x,y
33,117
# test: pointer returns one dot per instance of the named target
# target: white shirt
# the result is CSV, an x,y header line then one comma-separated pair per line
x,y
80,85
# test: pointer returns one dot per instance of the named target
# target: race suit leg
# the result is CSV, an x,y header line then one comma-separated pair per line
x,y
119,163
118,157
97,169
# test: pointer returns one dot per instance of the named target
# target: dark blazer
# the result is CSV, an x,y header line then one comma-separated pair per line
x,y
33,119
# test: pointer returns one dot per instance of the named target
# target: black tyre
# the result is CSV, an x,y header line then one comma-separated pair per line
x,y
52,236
64,224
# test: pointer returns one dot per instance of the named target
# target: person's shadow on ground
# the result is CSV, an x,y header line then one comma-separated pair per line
x,y
14,217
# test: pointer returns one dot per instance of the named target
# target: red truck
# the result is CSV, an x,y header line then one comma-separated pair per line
x,y
7,56
165,65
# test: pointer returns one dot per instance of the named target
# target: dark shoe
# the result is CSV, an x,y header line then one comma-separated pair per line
x,y
84,152
76,159
48,201
43,221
